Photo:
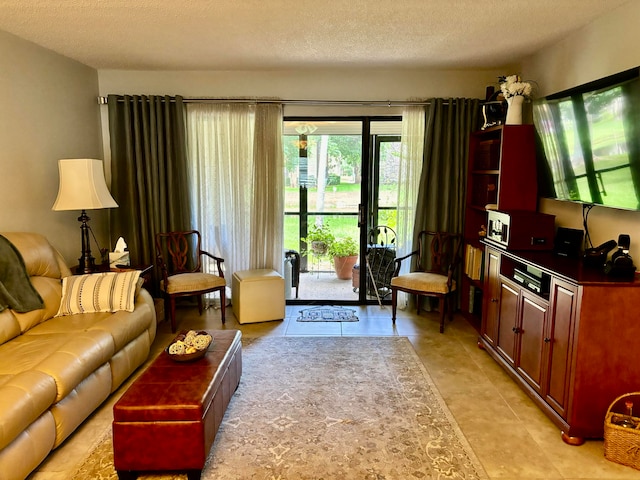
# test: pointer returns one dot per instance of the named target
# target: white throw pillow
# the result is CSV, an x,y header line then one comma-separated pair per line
x,y
99,292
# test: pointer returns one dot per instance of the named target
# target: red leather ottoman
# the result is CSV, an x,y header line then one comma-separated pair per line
x,y
168,419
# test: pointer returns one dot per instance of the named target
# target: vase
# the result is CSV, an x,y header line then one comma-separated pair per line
x,y
514,110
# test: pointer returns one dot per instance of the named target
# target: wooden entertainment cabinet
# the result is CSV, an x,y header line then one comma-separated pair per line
x,y
574,347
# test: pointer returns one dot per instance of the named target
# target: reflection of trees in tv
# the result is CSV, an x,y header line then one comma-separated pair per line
x,y
589,139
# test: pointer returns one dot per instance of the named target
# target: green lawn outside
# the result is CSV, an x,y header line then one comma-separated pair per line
x,y
343,198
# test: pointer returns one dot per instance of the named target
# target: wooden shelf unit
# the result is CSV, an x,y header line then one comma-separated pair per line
x,y
502,172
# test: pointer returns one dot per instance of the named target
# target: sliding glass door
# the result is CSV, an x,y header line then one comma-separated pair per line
x,y
341,180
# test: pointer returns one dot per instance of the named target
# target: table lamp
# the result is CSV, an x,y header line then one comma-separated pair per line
x,y
83,187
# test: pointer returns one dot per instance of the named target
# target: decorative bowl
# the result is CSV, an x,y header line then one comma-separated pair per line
x,y
188,357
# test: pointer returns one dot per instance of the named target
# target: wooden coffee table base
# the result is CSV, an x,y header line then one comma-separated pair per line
x,y
168,419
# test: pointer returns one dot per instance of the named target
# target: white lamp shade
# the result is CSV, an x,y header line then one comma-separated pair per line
x,y
82,186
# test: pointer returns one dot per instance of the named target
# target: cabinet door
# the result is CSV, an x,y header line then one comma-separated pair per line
x,y
532,347
564,300
491,297
508,321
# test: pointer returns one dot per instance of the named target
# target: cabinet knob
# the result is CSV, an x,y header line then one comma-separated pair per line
x,y
547,340
494,300
515,330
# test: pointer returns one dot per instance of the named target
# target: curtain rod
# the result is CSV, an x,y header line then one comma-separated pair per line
x,y
102,100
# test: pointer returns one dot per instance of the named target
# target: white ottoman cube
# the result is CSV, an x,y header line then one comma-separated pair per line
x,y
257,295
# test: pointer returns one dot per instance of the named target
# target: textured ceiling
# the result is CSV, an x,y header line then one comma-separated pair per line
x,y
285,34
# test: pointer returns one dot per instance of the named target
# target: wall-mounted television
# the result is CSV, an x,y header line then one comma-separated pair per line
x,y
589,142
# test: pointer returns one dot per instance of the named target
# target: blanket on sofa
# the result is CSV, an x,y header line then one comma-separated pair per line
x,y
16,290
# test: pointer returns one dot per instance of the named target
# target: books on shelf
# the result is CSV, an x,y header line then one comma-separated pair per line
x,y
474,261
475,300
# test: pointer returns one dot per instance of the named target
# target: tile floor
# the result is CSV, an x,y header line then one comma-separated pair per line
x,y
512,438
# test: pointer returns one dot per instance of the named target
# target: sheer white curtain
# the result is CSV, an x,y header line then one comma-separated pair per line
x,y
411,157
236,177
267,218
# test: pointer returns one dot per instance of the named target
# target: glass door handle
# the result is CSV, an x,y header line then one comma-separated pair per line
x,y
360,215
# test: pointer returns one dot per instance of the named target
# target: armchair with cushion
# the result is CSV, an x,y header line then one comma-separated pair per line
x,y
179,256
438,255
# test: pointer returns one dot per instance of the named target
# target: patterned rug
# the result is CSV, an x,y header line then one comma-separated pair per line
x,y
327,314
329,408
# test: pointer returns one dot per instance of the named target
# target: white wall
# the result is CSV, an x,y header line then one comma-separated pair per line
x,y
325,84
606,46
49,112
310,84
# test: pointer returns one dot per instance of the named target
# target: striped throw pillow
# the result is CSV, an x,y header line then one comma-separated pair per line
x,y
98,292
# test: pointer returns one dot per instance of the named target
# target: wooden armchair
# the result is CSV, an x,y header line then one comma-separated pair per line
x,y
438,256
179,257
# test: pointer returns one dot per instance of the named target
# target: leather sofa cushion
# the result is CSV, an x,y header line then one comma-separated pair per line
x,y
25,351
121,331
19,458
129,358
73,409
23,398
72,362
49,289
39,256
9,326
124,332
67,357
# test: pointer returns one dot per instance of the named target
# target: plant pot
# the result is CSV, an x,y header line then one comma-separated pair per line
x,y
318,247
344,266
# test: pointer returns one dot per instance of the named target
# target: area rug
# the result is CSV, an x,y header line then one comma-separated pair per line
x,y
329,408
327,314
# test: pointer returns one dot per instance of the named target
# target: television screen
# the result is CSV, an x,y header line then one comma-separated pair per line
x,y
589,139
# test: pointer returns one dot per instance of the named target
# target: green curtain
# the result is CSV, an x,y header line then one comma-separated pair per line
x,y
443,181
441,196
149,172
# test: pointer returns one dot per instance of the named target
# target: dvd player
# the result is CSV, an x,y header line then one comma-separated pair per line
x,y
532,279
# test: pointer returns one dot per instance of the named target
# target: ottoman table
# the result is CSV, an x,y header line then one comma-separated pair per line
x,y
257,295
168,418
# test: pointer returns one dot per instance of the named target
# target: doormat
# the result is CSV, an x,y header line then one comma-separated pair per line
x,y
327,314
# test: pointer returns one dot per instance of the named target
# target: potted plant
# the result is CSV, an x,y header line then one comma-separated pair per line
x,y
345,255
318,240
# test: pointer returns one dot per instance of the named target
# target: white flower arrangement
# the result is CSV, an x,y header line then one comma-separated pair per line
x,y
512,86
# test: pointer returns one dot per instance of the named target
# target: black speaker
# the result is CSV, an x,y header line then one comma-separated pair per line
x,y
568,242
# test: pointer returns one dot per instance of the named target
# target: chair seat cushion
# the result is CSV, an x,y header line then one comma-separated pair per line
x,y
423,282
192,282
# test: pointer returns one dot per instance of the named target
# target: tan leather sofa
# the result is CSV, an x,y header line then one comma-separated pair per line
x,y
55,371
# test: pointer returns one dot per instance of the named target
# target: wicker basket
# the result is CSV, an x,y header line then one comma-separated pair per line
x,y
622,444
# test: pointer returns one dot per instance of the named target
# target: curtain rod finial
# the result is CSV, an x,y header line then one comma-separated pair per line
x,y
102,100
